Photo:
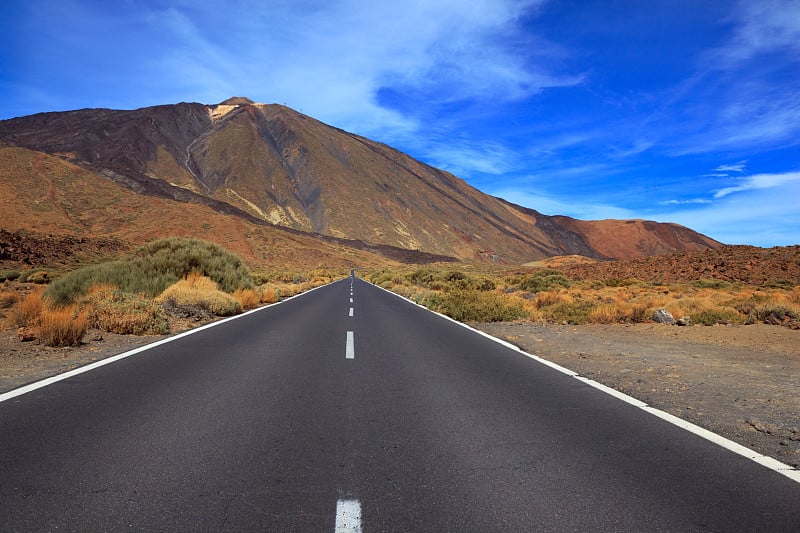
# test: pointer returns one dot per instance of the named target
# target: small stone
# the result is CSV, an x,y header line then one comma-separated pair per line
x,y
26,334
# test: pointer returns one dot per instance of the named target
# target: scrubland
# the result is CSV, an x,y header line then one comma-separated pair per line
x,y
548,295
145,293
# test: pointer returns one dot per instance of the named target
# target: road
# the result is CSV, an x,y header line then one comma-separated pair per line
x,y
366,413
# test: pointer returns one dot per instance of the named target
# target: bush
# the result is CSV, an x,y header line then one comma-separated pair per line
x,y
544,280
180,257
607,314
203,292
33,276
153,268
476,306
710,284
8,299
247,298
40,277
28,310
712,317
9,275
569,312
115,311
775,314
270,294
62,327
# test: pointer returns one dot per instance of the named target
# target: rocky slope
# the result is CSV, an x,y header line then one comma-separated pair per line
x,y
271,164
54,212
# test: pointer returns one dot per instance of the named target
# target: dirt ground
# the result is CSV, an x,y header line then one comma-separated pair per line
x,y
22,363
742,382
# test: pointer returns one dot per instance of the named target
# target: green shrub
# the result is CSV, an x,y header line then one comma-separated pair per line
x,y
710,284
544,280
711,317
153,268
476,306
179,257
9,275
569,312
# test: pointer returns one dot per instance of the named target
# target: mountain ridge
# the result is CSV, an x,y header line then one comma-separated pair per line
x,y
267,163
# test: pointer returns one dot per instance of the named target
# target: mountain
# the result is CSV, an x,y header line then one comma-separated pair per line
x,y
268,164
54,212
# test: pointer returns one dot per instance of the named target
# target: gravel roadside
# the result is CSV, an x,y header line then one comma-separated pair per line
x,y
742,382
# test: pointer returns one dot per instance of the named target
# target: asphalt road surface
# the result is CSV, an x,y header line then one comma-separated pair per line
x,y
365,413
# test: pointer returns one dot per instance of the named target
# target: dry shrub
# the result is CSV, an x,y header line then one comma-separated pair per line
x,y
8,299
270,294
29,309
638,313
202,292
115,311
794,297
62,327
247,298
607,314
548,298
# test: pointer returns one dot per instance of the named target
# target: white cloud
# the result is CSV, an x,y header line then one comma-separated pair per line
x,y
691,201
760,181
552,205
331,59
762,217
735,167
763,26
463,158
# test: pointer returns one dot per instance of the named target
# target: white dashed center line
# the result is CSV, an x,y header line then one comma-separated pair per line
x,y
348,516
351,300
351,311
350,350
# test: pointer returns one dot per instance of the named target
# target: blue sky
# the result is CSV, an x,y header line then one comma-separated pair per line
x,y
678,111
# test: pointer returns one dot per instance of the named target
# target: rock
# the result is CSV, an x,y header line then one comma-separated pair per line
x,y
26,334
685,321
662,316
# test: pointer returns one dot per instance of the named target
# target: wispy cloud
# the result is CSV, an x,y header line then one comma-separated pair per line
x,y
691,201
735,167
464,158
760,181
332,59
762,27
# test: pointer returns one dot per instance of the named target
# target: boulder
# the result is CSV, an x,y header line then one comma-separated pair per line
x,y
662,316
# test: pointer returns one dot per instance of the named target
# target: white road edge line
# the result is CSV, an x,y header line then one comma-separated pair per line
x,y
348,516
349,349
80,370
735,447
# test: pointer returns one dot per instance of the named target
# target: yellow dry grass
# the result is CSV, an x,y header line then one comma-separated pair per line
x,y
28,310
201,291
62,327
247,298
